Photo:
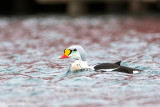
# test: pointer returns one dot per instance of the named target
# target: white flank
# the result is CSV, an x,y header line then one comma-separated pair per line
x,y
135,72
107,70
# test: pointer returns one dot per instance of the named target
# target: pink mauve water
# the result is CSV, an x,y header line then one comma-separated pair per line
x,y
31,75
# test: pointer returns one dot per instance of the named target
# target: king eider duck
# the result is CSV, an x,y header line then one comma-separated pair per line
x,y
78,53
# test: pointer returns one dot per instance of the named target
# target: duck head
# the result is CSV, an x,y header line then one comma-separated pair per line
x,y
76,52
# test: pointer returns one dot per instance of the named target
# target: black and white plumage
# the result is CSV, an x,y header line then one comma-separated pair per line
x,y
115,67
78,53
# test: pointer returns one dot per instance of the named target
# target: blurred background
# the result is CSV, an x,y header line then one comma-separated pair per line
x,y
78,7
33,33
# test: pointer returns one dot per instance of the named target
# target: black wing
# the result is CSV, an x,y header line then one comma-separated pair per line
x,y
103,66
116,67
118,63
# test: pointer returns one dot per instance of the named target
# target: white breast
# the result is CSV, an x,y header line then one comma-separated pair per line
x,y
78,65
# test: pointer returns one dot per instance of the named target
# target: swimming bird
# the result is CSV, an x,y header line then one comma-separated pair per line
x,y
78,53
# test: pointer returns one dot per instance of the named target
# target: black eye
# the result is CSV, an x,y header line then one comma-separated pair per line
x,y
74,49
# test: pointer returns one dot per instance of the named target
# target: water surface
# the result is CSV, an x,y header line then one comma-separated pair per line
x,y
31,75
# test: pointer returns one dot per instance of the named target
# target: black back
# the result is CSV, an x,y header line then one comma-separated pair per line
x,y
116,66
106,66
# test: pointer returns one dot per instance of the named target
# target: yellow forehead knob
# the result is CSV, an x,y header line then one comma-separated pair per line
x,y
67,52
